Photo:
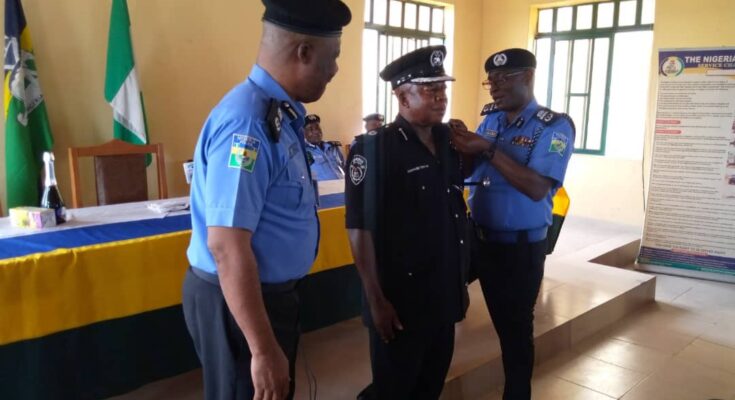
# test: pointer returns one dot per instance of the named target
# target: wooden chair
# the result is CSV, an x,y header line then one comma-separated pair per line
x,y
116,155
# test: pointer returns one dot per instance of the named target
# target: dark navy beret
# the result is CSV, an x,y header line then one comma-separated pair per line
x,y
310,17
424,65
510,59
374,117
311,118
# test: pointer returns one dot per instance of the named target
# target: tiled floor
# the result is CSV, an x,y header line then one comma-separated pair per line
x,y
680,348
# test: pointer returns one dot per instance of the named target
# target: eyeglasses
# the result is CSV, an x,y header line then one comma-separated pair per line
x,y
499,79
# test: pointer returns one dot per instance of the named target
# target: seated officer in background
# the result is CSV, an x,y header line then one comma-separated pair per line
x,y
253,207
373,121
524,149
406,220
327,161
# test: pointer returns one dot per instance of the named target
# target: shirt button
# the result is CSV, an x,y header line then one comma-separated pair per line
x,y
447,190
461,241
410,274
423,187
456,215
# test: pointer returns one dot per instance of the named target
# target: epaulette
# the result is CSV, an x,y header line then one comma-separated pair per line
x,y
335,143
489,108
274,117
371,134
548,117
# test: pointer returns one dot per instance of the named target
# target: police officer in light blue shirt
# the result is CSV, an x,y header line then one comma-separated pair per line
x,y
253,207
326,159
520,155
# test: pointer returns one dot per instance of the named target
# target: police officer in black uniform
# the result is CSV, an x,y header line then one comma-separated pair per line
x,y
406,219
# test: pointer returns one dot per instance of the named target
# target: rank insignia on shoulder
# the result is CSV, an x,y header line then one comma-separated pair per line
x,y
489,108
274,119
288,109
335,143
546,116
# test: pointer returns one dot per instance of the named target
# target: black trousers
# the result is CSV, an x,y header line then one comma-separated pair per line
x,y
221,345
510,276
413,366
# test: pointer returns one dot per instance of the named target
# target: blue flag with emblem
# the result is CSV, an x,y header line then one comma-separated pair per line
x,y
27,131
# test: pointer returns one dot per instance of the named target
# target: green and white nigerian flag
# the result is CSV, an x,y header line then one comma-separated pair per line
x,y
122,90
27,131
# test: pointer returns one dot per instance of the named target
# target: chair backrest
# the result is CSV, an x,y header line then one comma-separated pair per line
x,y
104,162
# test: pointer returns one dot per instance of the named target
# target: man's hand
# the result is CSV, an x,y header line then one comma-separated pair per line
x,y
270,375
385,319
466,142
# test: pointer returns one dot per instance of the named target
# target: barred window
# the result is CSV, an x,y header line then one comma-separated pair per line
x,y
392,29
594,64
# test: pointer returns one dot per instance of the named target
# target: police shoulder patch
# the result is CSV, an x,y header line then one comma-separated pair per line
x,y
243,152
559,143
358,169
489,108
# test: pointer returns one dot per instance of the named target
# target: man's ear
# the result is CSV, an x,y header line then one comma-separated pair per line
x,y
305,52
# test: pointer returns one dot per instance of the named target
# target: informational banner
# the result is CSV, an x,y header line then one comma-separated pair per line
x,y
690,218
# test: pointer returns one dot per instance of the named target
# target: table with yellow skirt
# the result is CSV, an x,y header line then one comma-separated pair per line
x,y
92,309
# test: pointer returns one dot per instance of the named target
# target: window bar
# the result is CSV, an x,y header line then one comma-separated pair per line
x,y
431,18
589,90
403,15
594,16
372,10
377,87
387,12
616,14
550,86
607,94
416,25
574,18
568,89
638,12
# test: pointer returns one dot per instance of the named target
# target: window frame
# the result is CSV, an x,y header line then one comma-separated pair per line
x,y
402,33
591,34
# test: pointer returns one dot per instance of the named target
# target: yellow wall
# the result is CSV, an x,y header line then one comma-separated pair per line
x,y
189,53
605,187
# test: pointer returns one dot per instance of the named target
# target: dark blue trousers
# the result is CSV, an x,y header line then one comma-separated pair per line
x,y
510,276
219,342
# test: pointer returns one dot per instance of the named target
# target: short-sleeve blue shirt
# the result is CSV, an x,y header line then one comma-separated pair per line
x,y
244,179
539,139
328,161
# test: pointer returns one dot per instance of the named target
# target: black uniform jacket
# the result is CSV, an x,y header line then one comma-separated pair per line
x,y
412,202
